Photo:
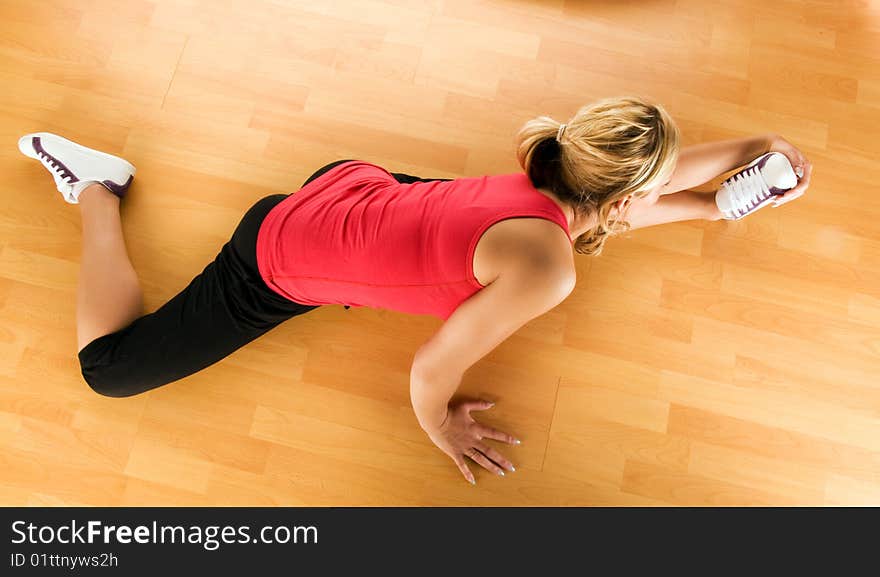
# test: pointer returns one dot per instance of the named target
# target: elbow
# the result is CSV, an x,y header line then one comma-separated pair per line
x,y
422,372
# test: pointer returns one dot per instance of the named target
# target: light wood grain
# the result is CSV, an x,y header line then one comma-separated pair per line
x,y
696,363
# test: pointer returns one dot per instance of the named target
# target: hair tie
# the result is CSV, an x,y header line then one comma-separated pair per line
x,y
560,131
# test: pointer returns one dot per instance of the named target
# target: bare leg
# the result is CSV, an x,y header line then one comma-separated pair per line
x,y
677,206
109,295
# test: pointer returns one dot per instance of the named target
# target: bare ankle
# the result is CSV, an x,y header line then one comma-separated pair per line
x,y
712,210
96,191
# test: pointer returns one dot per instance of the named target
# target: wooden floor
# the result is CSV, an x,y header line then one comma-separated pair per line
x,y
697,363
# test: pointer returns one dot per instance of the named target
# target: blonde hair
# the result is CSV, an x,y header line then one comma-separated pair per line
x,y
609,149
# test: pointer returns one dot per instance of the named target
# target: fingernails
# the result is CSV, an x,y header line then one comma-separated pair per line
x,y
517,442
501,473
512,468
472,481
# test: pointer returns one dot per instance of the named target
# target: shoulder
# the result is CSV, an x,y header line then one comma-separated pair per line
x,y
533,240
537,248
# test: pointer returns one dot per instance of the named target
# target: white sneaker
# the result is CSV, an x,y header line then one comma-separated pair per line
x,y
755,186
74,167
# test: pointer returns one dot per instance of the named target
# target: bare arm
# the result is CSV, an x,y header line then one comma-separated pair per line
x,y
475,328
700,163
526,290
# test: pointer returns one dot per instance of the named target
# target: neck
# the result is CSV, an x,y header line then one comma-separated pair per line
x,y
577,225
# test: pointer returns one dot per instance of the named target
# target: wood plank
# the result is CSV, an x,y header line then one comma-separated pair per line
x,y
696,363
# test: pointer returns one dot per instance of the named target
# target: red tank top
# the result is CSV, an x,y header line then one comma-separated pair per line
x,y
355,236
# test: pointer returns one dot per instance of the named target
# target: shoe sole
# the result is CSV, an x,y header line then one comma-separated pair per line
x,y
774,191
759,206
25,145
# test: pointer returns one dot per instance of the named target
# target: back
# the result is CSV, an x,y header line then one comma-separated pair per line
x,y
356,236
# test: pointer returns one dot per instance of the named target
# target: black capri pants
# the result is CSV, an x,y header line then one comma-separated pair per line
x,y
222,309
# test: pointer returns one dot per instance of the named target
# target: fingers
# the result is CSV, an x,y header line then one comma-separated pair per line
x,y
480,453
490,433
802,168
795,156
462,466
481,459
495,456
480,405
808,173
798,190
789,196
800,163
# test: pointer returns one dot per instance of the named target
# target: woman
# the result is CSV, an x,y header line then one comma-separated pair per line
x,y
486,254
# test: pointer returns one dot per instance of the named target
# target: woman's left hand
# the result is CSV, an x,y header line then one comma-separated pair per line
x,y
802,167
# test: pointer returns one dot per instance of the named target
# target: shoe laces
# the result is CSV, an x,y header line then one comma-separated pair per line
x,y
747,189
53,164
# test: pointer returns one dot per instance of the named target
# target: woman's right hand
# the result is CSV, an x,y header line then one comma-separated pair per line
x,y
459,435
799,162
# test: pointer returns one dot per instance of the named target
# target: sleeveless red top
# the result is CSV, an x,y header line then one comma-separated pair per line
x,y
355,236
